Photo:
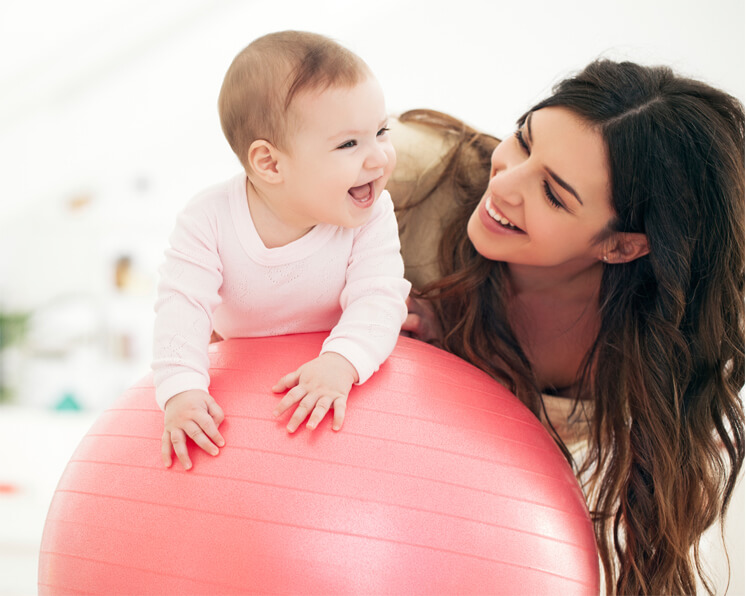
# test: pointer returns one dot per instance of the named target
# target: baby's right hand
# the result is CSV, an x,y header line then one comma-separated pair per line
x,y
195,414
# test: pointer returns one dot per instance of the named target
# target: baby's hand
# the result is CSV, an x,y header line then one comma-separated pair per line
x,y
195,414
318,385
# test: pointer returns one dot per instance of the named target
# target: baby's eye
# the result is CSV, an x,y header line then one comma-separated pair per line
x,y
347,145
383,131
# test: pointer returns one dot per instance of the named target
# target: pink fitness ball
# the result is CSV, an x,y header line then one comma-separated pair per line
x,y
440,481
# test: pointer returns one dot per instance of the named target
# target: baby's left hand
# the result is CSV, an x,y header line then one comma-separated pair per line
x,y
318,385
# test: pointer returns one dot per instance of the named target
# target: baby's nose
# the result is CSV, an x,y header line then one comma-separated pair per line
x,y
377,158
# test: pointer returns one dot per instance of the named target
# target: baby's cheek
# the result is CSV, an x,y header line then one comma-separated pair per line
x,y
392,157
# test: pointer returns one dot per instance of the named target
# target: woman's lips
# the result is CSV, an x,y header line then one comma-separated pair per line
x,y
495,221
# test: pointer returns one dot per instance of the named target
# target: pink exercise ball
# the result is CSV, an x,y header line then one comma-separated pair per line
x,y
440,481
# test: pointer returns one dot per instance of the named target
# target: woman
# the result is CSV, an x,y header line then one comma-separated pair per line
x,y
604,264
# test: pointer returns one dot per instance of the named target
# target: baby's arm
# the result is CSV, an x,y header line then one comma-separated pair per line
x,y
373,309
190,279
373,300
318,385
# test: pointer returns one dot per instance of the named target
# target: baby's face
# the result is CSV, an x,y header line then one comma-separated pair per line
x,y
340,156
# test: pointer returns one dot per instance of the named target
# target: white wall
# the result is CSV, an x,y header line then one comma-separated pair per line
x,y
105,98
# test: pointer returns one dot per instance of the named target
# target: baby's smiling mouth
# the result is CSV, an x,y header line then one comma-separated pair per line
x,y
499,217
363,193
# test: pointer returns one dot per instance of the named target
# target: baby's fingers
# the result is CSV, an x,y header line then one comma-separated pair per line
x,y
340,408
209,426
319,411
216,412
293,396
197,434
305,407
286,382
166,449
177,438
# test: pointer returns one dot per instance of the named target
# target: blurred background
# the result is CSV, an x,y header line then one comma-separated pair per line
x,y
108,125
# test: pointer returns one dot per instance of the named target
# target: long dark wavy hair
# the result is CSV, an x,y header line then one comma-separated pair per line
x,y
667,426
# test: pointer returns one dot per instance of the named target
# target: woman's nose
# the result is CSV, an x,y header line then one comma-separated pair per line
x,y
506,184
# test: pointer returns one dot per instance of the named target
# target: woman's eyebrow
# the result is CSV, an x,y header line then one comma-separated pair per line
x,y
554,176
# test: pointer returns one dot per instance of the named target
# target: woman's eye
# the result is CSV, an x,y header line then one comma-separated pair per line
x,y
551,197
522,141
347,145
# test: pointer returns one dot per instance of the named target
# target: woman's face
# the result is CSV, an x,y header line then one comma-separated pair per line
x,y
548,198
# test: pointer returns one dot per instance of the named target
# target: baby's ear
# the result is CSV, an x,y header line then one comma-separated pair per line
x,y
262,161
623,247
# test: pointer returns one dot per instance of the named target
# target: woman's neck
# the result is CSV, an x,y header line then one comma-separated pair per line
x,y
554,315
572,280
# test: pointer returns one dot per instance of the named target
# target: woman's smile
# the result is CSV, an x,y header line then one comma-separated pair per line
x,y
498,216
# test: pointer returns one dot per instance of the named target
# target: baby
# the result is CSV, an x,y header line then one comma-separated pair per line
x,y
304,239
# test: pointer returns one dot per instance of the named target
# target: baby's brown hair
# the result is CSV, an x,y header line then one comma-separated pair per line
x,y
266,76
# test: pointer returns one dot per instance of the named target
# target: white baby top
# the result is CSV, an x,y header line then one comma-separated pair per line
x,y
219,275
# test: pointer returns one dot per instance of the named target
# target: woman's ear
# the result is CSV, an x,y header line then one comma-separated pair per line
x,y
623,247
262,161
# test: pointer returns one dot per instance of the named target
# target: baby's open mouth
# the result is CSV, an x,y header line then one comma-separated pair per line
x,y
363,193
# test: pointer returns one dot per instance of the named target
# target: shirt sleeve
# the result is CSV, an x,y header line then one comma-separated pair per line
x,y
374,298
188,294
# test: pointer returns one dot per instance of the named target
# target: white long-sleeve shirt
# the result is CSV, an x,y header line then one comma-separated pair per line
x,y
218,275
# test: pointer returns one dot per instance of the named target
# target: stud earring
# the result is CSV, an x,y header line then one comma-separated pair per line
x,y
605,259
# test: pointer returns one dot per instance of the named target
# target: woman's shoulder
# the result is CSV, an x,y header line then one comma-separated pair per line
x,y
419,149
422,202
426,142
440,161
